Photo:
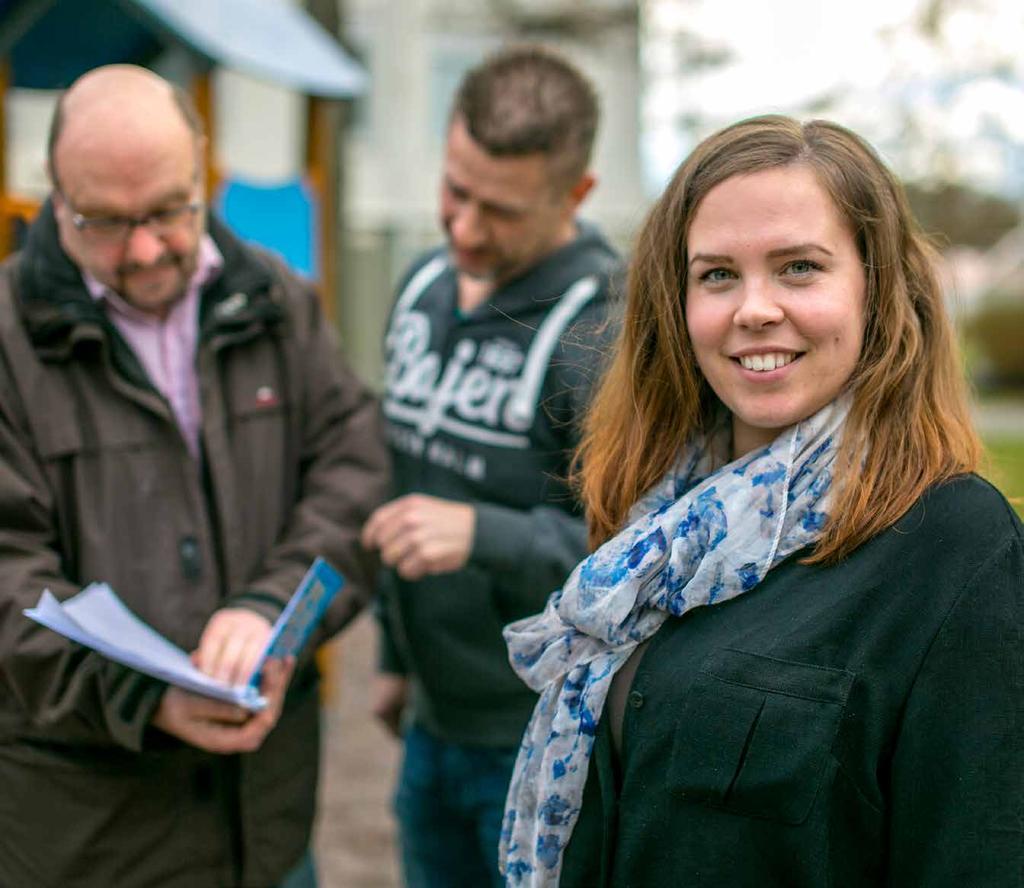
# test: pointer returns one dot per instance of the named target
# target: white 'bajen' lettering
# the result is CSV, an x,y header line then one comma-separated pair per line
x,y
477,395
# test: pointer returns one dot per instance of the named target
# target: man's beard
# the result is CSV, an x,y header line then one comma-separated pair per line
x,y
139,294
167,259
500,269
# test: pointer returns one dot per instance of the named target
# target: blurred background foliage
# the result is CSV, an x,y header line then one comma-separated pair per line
x,y
956,214
996,331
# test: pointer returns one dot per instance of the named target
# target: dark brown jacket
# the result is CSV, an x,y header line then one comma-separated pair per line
x,y
96,483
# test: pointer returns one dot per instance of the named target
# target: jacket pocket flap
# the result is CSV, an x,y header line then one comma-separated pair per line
x,y
61,436
755,734
779,676
57,436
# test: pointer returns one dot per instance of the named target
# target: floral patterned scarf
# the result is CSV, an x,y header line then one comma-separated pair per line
x,y
701,536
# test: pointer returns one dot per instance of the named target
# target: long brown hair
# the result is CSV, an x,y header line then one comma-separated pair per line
x,y
909,426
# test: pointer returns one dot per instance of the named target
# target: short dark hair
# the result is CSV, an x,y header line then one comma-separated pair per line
x,y
181,99
527,99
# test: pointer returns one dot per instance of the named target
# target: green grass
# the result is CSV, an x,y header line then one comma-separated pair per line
x,y
1006,467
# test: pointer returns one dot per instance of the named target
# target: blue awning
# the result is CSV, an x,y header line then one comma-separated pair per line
x,y
52,42
274,41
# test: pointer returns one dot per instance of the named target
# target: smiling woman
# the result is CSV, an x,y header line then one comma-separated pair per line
x,y
792,657
774,300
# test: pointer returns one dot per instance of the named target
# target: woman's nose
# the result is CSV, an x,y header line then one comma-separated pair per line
x,y
758,306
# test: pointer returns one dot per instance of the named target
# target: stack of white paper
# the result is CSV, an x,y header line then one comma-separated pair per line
x,y
97,618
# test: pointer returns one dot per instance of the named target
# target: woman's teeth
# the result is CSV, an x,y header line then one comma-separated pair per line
x,y
771,361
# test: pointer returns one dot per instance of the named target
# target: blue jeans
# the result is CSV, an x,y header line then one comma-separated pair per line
x,y
449,804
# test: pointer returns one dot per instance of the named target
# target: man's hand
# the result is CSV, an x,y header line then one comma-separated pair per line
x,y
388,696
231,644
419,535
222,727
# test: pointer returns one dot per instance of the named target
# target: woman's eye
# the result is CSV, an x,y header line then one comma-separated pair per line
x,y
716,276
802,267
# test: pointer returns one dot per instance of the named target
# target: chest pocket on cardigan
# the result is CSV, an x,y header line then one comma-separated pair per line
x,y
755,734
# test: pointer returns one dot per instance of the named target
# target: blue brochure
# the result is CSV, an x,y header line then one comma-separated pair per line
x,y
307,605
98,619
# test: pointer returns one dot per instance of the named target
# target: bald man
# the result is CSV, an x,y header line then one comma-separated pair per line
x,y
174,420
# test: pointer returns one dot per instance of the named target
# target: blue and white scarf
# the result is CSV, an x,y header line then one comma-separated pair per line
x,y
701,536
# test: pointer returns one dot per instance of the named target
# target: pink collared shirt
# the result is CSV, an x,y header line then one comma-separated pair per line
x,y
167,348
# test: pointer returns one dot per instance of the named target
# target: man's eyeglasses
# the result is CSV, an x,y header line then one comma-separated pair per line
x,y
117,229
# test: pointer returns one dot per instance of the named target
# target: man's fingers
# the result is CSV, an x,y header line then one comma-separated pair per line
x,y
238,658
380,525
221,727
225,740
231,644
425,558
253,652
412,567
419,535
189,716
207,655
397,550
229,658
395,527
275,678
395,520
223,667
206,709
279,672
371,529
226,729
273,685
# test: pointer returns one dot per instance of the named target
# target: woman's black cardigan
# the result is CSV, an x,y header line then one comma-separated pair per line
x,y
853,725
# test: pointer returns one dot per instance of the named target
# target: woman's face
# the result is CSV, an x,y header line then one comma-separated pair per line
x,y
775,296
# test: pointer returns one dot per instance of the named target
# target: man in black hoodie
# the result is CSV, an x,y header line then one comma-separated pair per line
x,y
493,345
